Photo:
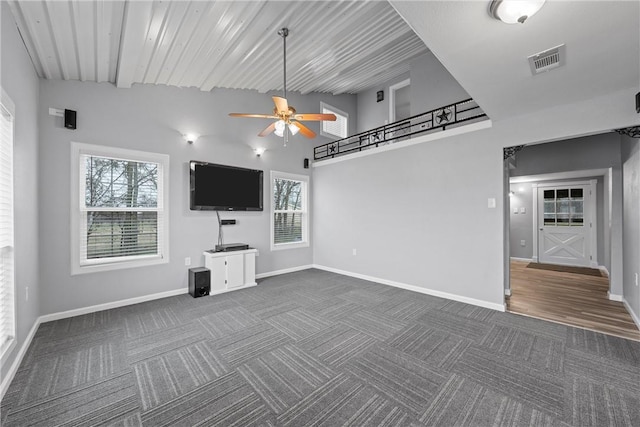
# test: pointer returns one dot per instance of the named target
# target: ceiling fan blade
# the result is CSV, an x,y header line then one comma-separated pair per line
x,y
268,129
257,116
315,117
281,104
305,130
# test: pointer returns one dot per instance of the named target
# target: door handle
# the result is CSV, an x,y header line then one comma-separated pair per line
x,y
541,229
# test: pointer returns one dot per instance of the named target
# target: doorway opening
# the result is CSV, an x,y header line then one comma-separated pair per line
x,y
563,240
400,101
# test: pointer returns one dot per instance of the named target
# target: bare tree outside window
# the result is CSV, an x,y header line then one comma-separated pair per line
x,y
287,199
121,197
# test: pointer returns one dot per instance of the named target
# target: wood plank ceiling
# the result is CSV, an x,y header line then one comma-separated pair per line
x,y
333,46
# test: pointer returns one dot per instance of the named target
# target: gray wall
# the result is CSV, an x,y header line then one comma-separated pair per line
x,y
152,118
371,113
631,221
418,214
20,82
586,153
432,86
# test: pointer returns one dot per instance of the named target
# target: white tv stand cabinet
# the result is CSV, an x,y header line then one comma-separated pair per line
x,y
231,270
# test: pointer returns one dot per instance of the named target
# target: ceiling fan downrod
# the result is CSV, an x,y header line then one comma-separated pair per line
x,y
284,32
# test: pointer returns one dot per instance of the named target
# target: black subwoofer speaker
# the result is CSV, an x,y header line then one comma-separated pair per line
x,y
199,282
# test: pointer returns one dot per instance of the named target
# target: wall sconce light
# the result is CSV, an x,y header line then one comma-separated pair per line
x,y
190,137
259,151
514,11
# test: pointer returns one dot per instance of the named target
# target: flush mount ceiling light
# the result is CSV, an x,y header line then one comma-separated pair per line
x,y
514,11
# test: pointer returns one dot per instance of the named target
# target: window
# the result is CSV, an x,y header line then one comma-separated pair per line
x,y
289,214
119,208
338,129
564,207
7,276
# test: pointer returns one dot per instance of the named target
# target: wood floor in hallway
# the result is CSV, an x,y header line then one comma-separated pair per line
x,y
573,299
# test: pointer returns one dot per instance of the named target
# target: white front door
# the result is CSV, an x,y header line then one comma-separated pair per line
x,y
564,225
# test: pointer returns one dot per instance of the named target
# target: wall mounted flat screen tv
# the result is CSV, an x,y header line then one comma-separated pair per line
x,y
224,188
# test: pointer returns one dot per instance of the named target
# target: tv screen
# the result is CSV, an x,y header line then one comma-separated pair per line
x,y
224,188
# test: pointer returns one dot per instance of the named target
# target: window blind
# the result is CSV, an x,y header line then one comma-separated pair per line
x,y
289,211
337,127
7,302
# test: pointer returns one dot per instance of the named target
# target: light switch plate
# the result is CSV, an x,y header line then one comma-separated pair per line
x,y
523,210
515,210
491,203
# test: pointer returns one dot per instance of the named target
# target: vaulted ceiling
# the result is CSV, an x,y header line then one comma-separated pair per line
x,y
334,47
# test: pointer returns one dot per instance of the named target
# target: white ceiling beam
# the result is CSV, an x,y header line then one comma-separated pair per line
x,y
137,19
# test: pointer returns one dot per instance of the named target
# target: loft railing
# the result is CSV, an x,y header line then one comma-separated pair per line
x,y
432,121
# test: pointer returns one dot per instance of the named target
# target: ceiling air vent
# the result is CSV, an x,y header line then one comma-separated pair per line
x,y
547,60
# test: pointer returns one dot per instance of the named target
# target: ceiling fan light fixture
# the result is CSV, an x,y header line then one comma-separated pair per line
x,y
514,11
280,126
293,128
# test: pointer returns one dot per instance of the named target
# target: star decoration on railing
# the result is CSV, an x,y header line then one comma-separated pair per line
x,y
332,148
444,116
633,131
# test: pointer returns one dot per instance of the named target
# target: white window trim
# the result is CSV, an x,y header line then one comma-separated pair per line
x,y
117,263
324,105
305,211
8,347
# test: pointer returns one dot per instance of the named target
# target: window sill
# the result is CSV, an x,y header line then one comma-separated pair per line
x,y
285,246
7,348
120,265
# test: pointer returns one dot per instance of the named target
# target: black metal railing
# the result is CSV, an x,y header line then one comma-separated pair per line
x,y
432,121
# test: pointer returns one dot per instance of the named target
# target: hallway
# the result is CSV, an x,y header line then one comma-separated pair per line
x,y
571,298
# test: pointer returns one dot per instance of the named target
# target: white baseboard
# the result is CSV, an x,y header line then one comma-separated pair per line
x,y
6,381
513,258
614,297
634,316
283,271
432,292
110,305
507,292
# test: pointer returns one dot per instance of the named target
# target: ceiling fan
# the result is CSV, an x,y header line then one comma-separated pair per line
x,y
287,119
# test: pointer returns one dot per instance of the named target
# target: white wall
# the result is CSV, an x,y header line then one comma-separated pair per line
x,y
418,215
20,82
631,223
152,118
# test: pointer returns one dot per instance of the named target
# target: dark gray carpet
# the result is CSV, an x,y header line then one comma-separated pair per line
x,y
314,348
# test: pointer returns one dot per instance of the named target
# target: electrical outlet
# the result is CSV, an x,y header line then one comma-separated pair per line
x,y
491,203
26,290
523,243
355,253
187,261
515,211
523,210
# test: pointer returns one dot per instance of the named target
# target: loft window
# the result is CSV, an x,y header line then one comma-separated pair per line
x,y
338,129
